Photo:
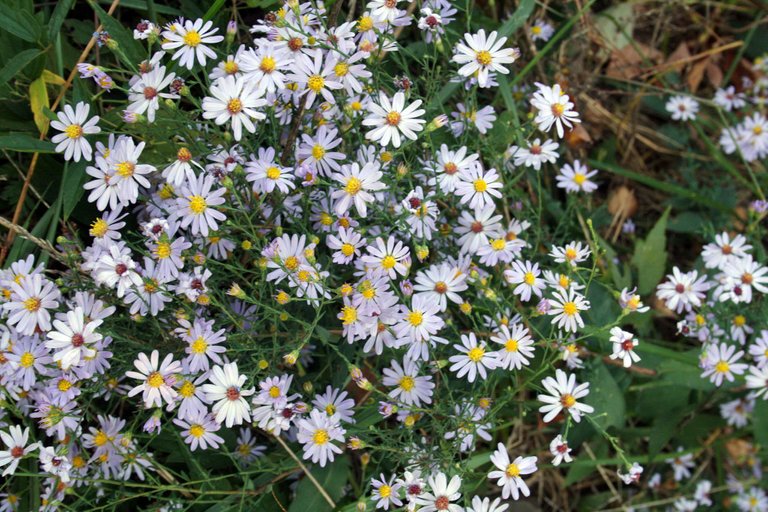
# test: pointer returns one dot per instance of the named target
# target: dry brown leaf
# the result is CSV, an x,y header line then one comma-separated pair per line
x,y
696,74
578,136
628,63
681,53
622,201
714,74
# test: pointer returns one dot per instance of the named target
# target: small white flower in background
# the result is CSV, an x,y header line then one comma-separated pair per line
x,y
573,253
729,99
508,475
386,493
554,109
541,31
358,185
681,291
486,505
235,99
633,475
74,124
73,340
196,206
227,394
384,10
576,178
391,119
317,433
157,379
628,299
57,465
701,494
474,358
15,441
624,344
682,108
560,451
481,56
442,493
564,395
536,154
722,363
190,40
681,465
724,250
566,308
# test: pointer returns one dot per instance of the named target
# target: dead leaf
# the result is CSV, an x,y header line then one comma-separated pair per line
x,y
695,75
678,58
38,98
629,63
578,136
714,74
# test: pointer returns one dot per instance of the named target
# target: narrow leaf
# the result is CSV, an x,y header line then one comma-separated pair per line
x,y
17,63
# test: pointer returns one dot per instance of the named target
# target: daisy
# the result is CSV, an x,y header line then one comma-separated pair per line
x,y
724,250
442,494
576,178
146,91
204,346
474,358
508,473
420,322
536,154
525,275
234,100
759,350
554,108
633,475
681,291
411,389
57,465
127,174
268,176
439,284
390,119
317,433
227,394
336,404
560,451
481,55
476,228
318,150
758,380
386,493
199,431
449,165
563,394
15,441
247,450
624,344
29,303
346,246
358,185
478,187
729,99
573,253
192,37
482,119
681,465
566,307
722,362
518,347
682,108
541,31
72,340
392,257
265,66
157,380
629,300
108,226
745,274
197,203
75,125
315,77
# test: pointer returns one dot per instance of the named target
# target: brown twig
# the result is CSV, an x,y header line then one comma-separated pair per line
x,y
23,233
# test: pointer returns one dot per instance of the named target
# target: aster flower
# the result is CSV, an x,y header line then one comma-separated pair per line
x,y
72,340
196,206
624,344
722,363
358,185
391,257
573,253
391,119
386,493
477,187
227,394
682,291
508,473
156,379
75,125
563,394
15,441
517,346
315,77
481,55
440,283
411,389
234,100
199,432
682,108
560,451
146,91
474,358
318,433
554,109
536,154
566,308
576,178
190,40
442,493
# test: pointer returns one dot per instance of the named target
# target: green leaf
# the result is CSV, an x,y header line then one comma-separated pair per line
x,y
26,144
38,100
128,47
214,9
518,18
72,187
17,63
605,396
650,257
58,16
760,422
20,24
332,479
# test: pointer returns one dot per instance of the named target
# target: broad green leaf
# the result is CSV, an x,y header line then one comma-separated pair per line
x,y
58,16
19,24
760,422
214,9
17,63
38,99
332,478
25,144
650,257
518,18
605,396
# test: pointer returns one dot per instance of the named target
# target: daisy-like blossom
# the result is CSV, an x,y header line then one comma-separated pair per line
x,y
199,432
535,155
745,275
563,394
474,358
524,276
554,109
477,187
359,184
633,475
683,291
411,389
517,346
759,349
75,125
157,379
145,92
318,433
682,108
722,363
265,66
508,473
541,31
566,308
631,301
576,178
55,464
346,246
624,344
449,164
392,119
560,451
476,228
190,41
724,250
386,493
30,301
225,390
681,464
318,150
73,340
729,99
440,283
16,448
234,100
486,505
392,257
336,404
421,321
196,206
482,55
758,381
315,77
573,253
442,493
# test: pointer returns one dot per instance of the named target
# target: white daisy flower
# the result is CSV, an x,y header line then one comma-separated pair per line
x,y
392,257
729,99
481,55
477,187
265,66
508,474
536,154
420,322
146,91
486,505
346,246
235,100
227,394
681,465
624,344
474,358
476,228
315,77
722,363
199,432
440,283
386,493
564,395
358,185
681,291
196,206
566,308
682,108
157,379
29,304
724,250
72,340
317,433
15,441
517,347
576,178
554,109
75,125
448,165
758,380
191,37
560,451
573,253
411,389
525,275
442,494
391,119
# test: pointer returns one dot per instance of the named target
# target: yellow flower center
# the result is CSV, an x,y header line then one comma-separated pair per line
x,y
364,24
199,346
166,192
27,360
407,383
558,109
125,169
330,409
529,278
567,401
348,315
499,244
187,389
385,491
355,105
570,254
739,321
415,318
326,219
321,437
197,204
231,67
192,38
235,106
291,263
564,282
722,367
476,354
757,130
536,30
315,83
163,250
318,152
101,438
273,173
388,262
196,431
347,250
99,228
74,131
511,345
268,64
341,69
393,118
155,380
512,471
570,308
579,178
353,186
64,385
484,57
32,304
480,186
